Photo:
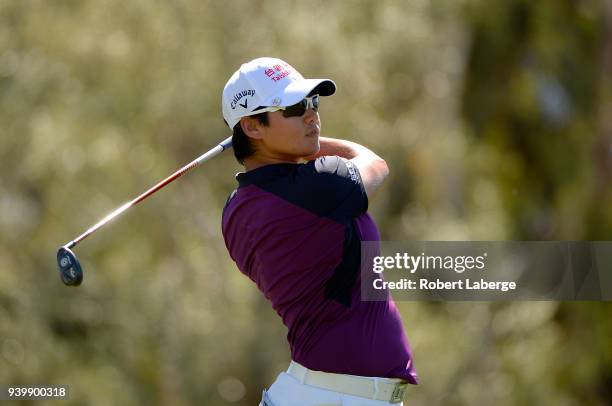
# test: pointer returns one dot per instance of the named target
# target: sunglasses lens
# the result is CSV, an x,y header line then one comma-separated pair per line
x,y
298,109
315,103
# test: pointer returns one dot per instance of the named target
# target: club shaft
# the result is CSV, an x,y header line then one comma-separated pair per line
x,y
225,144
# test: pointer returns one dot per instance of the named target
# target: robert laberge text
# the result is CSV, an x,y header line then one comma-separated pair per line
x,y
437,284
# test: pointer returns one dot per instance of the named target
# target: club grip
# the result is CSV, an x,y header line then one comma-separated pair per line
x,y
226,143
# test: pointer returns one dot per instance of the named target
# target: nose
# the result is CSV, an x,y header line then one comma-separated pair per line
x,y
310,116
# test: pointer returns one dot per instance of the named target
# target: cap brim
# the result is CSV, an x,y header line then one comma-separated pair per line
x,y
297,90
325,87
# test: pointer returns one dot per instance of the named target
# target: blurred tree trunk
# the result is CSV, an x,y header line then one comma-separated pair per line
x,y
602,152
536,93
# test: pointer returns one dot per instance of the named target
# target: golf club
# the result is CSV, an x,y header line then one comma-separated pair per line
x,y
68,264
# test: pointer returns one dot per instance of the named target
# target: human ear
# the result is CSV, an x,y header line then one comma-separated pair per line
x,y
251,127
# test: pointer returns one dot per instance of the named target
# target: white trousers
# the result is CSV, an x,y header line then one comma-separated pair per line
x,y
288,391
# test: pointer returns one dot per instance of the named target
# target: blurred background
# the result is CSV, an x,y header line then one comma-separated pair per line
x,y
495,118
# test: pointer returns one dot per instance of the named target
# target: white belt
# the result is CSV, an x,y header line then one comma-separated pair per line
x,y
387,389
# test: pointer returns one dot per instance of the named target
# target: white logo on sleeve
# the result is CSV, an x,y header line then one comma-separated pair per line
x,y
352,171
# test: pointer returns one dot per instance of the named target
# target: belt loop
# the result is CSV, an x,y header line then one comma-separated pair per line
x,y
375,389
298,370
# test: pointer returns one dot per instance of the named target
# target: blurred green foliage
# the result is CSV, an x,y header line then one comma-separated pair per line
x,y
495,118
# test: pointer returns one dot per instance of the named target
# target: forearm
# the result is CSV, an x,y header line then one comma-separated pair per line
x,y
342,148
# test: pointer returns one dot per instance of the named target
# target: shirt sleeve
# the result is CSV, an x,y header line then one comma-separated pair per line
x,y
335,188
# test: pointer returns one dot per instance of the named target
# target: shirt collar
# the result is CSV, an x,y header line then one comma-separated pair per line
x,y
264,174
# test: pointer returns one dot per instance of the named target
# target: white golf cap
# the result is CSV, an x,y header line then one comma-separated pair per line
x,y
267,82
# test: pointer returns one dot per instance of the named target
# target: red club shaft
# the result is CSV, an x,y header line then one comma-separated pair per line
x,y
225,144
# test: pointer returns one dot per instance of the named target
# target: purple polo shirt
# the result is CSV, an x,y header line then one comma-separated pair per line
x,y
295,230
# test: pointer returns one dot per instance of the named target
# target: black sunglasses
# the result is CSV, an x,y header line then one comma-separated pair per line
x,y
295,110
298,109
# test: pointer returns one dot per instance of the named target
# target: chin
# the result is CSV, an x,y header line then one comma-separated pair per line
x,y
314,148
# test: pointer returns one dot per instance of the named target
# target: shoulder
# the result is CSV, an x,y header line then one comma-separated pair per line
x,y
332,169
335,185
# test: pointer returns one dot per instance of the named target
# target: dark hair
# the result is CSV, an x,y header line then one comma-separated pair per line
x,y
240,141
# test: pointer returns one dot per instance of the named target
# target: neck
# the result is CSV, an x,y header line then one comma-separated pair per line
x,y
254,162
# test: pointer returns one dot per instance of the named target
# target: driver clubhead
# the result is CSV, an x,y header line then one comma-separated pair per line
x,y
69,267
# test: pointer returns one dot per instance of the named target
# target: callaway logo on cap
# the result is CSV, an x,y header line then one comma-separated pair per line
x,y
267,82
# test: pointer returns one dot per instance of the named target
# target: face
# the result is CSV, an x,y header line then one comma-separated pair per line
x,y
286,139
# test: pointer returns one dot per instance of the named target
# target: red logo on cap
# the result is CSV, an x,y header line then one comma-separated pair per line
x,y
277,72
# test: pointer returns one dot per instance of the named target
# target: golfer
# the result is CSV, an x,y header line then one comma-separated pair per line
x,y
294,226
